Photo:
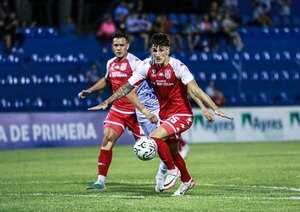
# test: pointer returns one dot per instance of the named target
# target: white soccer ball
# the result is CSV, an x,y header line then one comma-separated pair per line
x,y
145,148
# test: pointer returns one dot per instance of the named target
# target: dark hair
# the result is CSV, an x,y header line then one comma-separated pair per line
x,y
120,35
160,39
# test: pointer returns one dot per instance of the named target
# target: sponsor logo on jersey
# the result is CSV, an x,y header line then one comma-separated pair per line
x,y
118,74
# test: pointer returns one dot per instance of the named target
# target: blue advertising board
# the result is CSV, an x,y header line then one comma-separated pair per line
x,y
28,130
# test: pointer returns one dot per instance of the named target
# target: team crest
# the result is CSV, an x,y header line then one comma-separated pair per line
x,y
168,74
123,66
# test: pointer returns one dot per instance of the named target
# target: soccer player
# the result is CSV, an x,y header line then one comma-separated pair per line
x,y
149,100
171,81
122,113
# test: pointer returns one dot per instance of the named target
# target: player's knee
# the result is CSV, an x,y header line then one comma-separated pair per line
x,y
108,141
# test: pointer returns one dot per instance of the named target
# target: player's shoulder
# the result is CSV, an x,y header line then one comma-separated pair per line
x,y
147,62
111,60
132,58
175,63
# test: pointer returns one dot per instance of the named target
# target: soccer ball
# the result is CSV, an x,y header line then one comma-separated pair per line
x,y
145,148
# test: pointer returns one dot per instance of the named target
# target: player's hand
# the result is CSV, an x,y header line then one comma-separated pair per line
x,y
152,118
83,94
218,112
208,115
101,106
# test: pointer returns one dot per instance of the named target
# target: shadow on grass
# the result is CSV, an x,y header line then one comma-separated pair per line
x,y
131,190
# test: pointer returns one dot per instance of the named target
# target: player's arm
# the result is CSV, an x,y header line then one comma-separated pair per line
x,y
122,91
102,83
200,94
132,97
209,116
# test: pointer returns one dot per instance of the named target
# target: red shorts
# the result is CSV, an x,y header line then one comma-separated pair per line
x,y
177,124
119,121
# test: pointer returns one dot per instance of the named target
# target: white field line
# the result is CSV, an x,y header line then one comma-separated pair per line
x,y
152,183
143,197
256,186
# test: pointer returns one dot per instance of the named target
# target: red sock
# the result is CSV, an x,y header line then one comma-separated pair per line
x,y
181,144
179,162
104,161
164,153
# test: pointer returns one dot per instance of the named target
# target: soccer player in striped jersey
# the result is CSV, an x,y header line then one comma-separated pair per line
x,y
171,81
122,113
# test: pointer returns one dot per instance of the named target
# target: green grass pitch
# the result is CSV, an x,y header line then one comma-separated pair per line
x,y
230,177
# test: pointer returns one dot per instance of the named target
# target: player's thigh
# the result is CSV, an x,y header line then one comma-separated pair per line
x,y
114,126
159,132
177,124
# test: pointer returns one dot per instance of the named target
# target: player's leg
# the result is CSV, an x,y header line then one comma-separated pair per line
x,y
105,157
164,154
148,127
114,127
187,181
183,148
175,125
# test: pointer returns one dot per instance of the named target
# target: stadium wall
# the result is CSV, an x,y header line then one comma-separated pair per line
x,y
29,130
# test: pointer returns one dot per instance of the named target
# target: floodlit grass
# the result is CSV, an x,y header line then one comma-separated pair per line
x,y
230,177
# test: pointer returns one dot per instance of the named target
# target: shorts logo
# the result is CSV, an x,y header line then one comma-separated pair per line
x,y
123,66
168,74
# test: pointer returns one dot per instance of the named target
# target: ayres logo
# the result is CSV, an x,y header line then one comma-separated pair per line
x,y
261,124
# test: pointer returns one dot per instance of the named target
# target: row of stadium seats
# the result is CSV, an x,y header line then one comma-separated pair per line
x,y
183,56
42,79
66,78
42,103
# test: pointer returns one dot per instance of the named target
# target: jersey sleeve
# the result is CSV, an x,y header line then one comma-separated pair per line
x,y
184,73
139,75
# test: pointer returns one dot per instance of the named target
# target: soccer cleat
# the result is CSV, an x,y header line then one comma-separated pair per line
x,y
184,151
172,176
97,185
184,187
159,180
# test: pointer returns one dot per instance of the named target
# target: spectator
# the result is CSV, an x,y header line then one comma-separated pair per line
x,y
260,14
92,74
104,34
122,9
215,94
229,27
193,37
284,9
13,38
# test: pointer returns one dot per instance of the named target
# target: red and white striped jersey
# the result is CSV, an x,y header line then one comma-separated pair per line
x,y
169,84
118,72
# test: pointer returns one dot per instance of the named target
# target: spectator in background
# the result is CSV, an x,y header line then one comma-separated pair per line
x,y
92,76
229,27
284,10
260,14
13,38
123,8
215,94
92,73
105,32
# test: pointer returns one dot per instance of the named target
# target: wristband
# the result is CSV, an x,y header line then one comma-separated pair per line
x,y
145,111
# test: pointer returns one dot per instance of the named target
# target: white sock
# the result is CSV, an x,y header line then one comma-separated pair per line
x,y
162,168
101,178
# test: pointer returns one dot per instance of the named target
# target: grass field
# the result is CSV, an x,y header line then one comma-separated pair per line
x,y
230,177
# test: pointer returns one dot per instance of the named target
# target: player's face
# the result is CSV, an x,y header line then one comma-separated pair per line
x,y
160,54
120,47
